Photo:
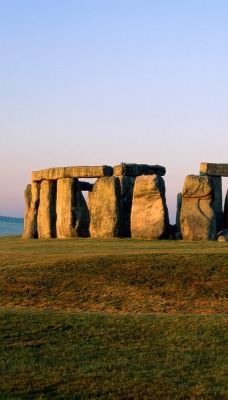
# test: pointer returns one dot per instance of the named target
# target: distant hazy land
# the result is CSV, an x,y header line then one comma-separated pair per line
x,y
11,226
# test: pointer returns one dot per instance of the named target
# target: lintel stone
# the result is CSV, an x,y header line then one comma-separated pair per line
x,y
213,169
72,172
138,169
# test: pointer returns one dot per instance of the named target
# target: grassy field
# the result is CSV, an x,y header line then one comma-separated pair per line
x,y
118,319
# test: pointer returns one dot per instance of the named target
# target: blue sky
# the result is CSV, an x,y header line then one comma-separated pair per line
x,y
92,82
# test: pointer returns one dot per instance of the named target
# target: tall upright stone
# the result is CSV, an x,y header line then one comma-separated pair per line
x,y
72,211
46,219
89,200
225,214
127,187
32,199
179,202
217,201
198,219
149,216
106,208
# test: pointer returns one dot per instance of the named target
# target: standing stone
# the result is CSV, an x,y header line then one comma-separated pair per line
x,y
72,211
106,208
47,210
179,202
127,187
198,220
149,217
225,214
217,201
32,197
89,200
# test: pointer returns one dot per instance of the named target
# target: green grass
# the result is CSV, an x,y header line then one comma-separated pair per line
x,y
72,356
118,319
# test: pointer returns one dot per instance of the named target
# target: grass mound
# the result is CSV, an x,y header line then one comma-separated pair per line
x,y
115,276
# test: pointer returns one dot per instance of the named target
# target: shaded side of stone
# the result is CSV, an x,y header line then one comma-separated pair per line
x,y
47,210
72,210
32,199
213,169
127,187
179,202
198,219
225,214
106,208
138,169
86,186
149,217
217,202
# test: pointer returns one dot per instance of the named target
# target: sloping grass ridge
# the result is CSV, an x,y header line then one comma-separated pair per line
x,y
113,279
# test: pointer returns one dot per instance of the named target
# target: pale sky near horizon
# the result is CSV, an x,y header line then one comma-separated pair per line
x,y
100,82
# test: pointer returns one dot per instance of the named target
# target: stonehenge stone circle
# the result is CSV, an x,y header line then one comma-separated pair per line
x,y
127,200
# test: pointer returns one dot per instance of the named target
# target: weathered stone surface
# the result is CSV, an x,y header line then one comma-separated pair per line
x,y
149,216
138,169
225,214
72,172
46,219
72,210
197,187
217,201
213,169
127,187
179,202
89,200
32,197
106,208
198,220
